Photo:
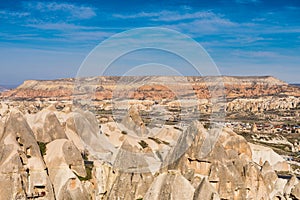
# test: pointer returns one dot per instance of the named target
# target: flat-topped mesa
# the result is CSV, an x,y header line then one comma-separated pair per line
x,y
61,89
253,79
238,79
103,87
54,84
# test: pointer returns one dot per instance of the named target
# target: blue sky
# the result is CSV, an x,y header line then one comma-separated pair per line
x,y
50,39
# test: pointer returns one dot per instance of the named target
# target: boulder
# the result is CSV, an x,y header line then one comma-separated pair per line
x,y
46,126
205,191
290,185
261,154
129,186
104,178
167,186
269,176
295,193
22,170
64,162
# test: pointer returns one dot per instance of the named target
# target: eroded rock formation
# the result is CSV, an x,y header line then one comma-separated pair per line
x,y
74,163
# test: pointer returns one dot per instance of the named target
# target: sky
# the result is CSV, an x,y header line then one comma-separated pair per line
x,y
50,39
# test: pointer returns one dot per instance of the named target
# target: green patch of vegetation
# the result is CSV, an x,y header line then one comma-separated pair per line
x,y
84,155
143,144
280,148
88,170
165,142
104,112
295,167
247,136
171,122
178,128
43,148
285,173
158,141
206,125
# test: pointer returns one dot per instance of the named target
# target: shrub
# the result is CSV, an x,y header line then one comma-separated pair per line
x,y
143,144
88,174
43,148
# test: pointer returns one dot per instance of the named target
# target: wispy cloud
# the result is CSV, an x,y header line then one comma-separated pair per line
x,y
247,39
56,16
72,10
167,15
185,20
12,14
60,26
247,1
86,36
204,26
256,54
293,8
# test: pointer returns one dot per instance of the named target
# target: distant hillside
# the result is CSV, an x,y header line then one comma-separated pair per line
x,y
2,89
235,87
295,84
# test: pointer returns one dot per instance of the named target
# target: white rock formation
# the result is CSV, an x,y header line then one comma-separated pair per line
x,y
261,154
63,160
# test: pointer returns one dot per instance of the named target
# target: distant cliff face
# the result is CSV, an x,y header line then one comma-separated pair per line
x,y
235,87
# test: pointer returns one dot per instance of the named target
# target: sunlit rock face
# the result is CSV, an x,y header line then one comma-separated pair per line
x,y
74,164
64,162
23,171
46,126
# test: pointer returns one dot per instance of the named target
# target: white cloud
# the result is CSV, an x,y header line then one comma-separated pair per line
x,y
8,36
169,16
247,39
193,23
247,1
205,26
257,54
186,16
86,35
58,26
13,14
75,11
293,8
260,19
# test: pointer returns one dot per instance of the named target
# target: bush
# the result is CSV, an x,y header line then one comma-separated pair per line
x,y
43,148
143,144
88,174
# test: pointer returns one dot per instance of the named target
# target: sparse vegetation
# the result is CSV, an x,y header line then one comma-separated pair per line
x,y
158,141
43,148
85,155
207,125
143,144
88,170
104,112
124,132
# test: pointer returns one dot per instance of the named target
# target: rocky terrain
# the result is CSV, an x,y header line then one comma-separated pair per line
x,y
62,155
150,145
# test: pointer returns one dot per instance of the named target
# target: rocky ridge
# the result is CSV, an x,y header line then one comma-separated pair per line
x,y
235,87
